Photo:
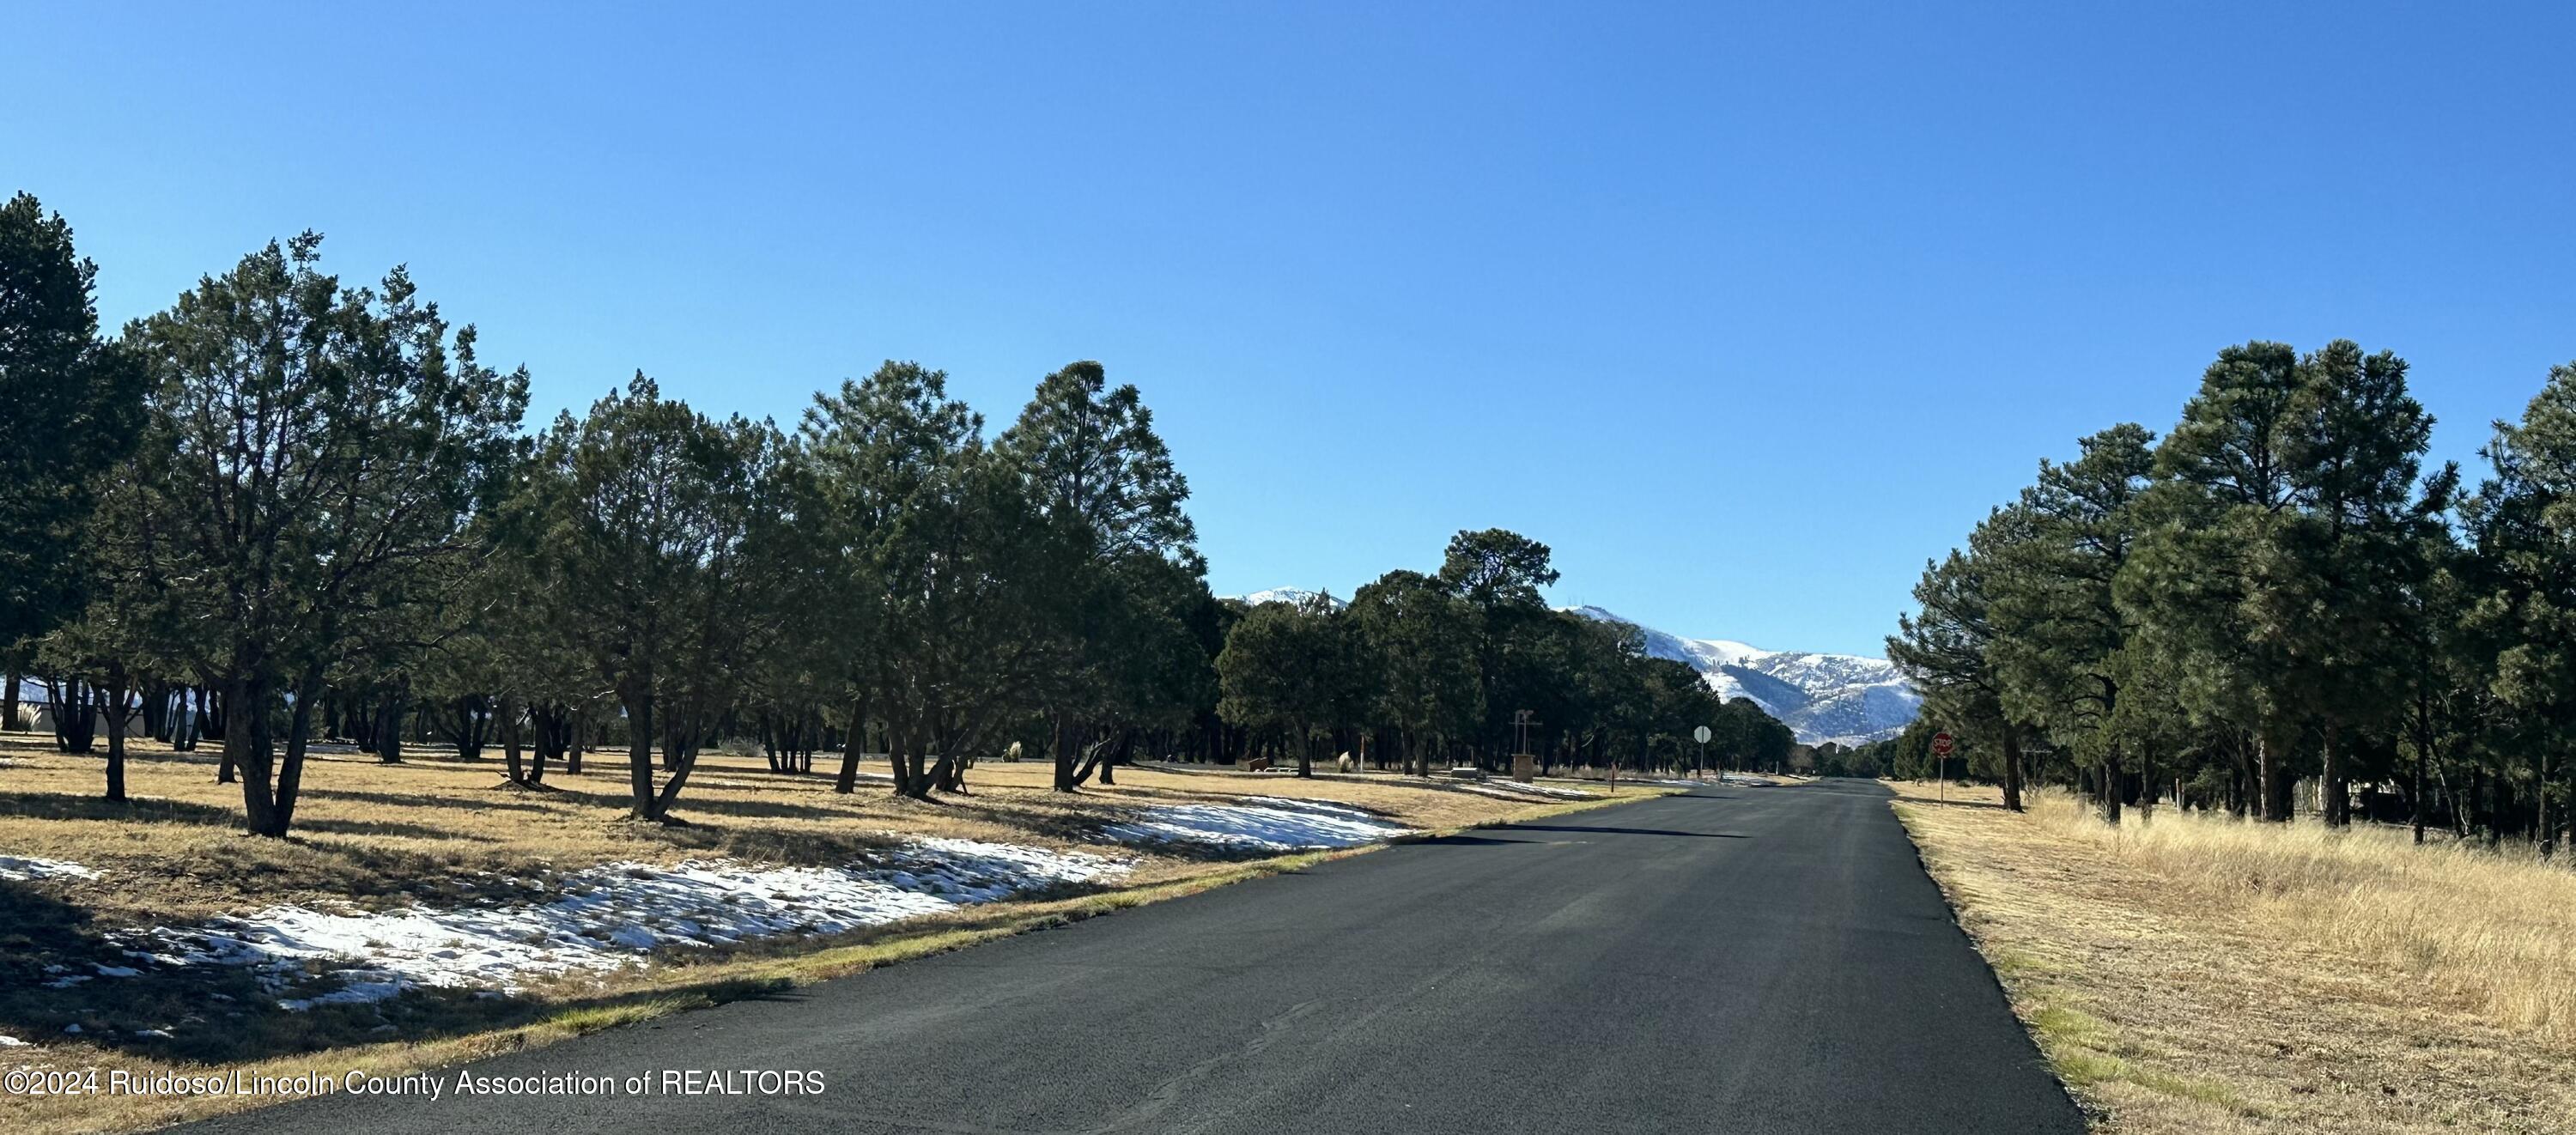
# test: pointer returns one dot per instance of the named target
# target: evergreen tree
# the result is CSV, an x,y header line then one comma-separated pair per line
x,y
945,561
1110,499
76,405
662,535
1945,648
1289,669
311,449
2062,648
2523,524
1420,642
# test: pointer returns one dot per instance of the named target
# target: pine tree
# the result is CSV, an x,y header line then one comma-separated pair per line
x,y
2523,524
1945,648
76,405
2062,645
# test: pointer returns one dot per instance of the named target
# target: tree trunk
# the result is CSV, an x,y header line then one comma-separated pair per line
x,y
2147,788
234,722
2415,793
853,746
246,751
512,756
2110,785
2330,791
116,736
9,703
2012,766
153,700
290,773
389,725
1060,750
2274,787
639,754
2548,828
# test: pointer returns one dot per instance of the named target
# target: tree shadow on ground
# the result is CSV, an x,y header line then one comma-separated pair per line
x,y
422,800
1465,841
329,826
757,809
146,810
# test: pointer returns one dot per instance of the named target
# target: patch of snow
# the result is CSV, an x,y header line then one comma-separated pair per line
x,y
27,870
605,917
7,1041
1261,823
163,1034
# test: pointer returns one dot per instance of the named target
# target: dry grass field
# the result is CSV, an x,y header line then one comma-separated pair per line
x,y
2191,973
434,830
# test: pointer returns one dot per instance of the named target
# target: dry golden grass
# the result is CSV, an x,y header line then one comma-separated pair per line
x,y
373,835
2197,974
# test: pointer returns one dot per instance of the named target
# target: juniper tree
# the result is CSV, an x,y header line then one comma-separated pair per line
x,y
660,538
309,449
941,566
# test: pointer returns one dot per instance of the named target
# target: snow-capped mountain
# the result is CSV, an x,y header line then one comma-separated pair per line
x,y
1842,698
1292,595
1821,697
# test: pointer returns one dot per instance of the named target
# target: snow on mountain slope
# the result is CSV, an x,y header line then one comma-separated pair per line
x,y
1842,698
1291,595
1821,697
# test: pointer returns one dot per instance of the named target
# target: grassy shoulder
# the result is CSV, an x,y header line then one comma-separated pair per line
x,y
382,835
2192,973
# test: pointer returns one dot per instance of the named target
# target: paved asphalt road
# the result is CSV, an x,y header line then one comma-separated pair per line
x,y
1733,960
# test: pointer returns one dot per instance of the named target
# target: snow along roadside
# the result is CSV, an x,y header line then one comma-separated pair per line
x,y
611,916
1262,823
605,918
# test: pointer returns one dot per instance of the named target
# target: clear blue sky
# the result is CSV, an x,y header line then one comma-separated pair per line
x,y
1745,311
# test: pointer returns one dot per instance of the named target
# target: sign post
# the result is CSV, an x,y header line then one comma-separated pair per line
x,y
1941,745
1700,735
1524,763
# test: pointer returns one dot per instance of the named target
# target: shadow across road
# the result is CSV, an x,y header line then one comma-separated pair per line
x,y
1621,831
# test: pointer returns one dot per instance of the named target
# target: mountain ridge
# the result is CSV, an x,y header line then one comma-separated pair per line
x,y
1846,699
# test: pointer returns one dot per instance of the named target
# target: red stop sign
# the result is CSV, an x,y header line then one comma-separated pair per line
x,y
1940,744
